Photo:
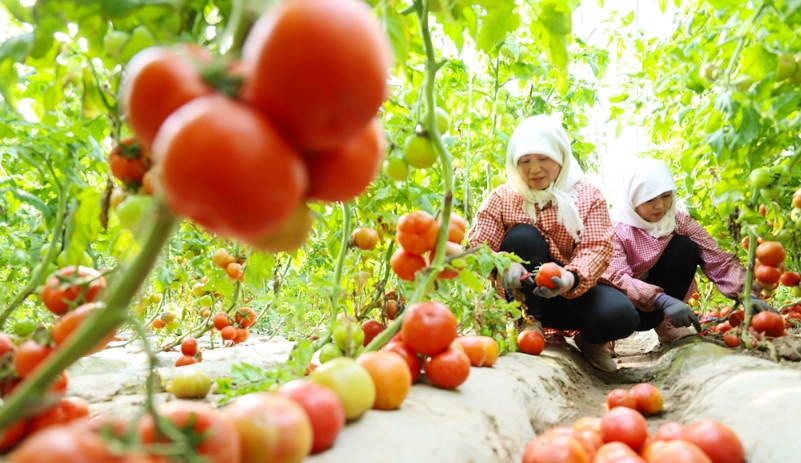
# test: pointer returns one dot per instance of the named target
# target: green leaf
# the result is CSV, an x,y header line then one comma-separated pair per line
x,y
32,200
749,126
716,141
259,269
471,281
17,48
86,223
662,5
496,25
758,62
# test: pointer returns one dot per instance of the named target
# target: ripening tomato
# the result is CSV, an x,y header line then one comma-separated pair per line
x,y
158,324
767,274
429,327
322,405
624,425
391,309
64,444
157,81
409,355
545,273
129,161
221,320
391,377
365,238
69,322
270,427
234,270
417,232
555,449
335,63
221,258
448,369
769,323
530,342
185,360
221,443
456,228
770,253
648,398
675,451
226,167
57,295
475,349
371,329
149,183
6,345
671,430
790,279
620,398
242,335
717,441
405,264
189,346
228,333
30,354
731,338
343,172
245,317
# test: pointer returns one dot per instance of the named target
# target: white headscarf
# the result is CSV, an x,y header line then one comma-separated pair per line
x,y
546,136
643,181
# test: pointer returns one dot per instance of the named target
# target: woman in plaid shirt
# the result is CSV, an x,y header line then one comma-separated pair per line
x,y
657,250
547,213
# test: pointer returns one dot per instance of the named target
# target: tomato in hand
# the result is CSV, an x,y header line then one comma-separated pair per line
x,y
157,82
57,295
332,78
226,167
545,274
429,327
530,342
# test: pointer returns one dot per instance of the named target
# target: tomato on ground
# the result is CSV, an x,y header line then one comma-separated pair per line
x,y
530,342
322,405
448,369
391,377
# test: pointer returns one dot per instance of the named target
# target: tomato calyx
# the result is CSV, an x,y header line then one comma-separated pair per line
x,y
220,76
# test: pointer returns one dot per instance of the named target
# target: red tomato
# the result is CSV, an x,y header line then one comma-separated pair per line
x,y
473,346
185,360
11,435
30,354
350,58
405,265
671,430
157,82
676,451
616,452
6,345
158,324
429,327
345,171
545,273
232,188
245,317
57,295
592,423
189,346
731,338
234,270
63,444
555,449
770,253
790,279
220,320
530,342
271,428
448,369
768,322
409,355
67,410
228,333
736,317
391,307
717,441
620,398
624,425
69,322
221,443
371,329
648,398
322,405
391,377
767,274
417,232
242,335
129,161
456,228
61,383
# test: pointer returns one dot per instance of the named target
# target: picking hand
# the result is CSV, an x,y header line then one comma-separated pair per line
x,y
511,278
679,313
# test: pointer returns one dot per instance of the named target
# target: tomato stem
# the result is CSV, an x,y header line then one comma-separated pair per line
x,y
96,327
343,250
745,297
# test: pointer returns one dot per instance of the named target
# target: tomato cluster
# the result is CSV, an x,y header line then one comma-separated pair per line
x,y
769,266
622,435
417,234
643,397
302,125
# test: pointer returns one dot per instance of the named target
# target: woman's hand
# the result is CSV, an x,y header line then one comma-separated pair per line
x,y
564,283
679,313
511,277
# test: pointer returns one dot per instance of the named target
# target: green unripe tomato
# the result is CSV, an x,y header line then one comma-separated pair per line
x,y
396,168
506,51
443,120
205,301
503,93
114,41
155,298
499,107
175,285
24,327
458,263
190,383
760,178
328,352
743,83
419,152
796,290
132,209
340,336
524,54
173,326
710,71
17,258
189,255
786,67
770,193
507,120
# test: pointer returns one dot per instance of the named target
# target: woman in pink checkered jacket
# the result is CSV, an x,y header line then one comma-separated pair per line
x,y
657,250
547,213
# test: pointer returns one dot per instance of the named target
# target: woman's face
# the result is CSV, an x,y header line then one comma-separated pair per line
x,y
538,170
656,208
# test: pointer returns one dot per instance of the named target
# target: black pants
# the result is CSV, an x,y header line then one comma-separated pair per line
x,y
603,313
673,272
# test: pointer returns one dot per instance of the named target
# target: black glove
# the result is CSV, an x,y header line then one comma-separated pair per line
x,y
679,313
761,306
